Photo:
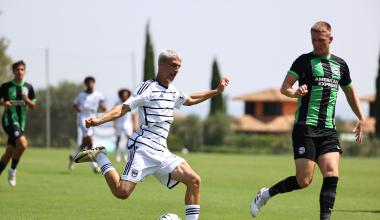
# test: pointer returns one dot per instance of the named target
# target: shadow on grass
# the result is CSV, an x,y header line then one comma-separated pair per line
x,y
359,211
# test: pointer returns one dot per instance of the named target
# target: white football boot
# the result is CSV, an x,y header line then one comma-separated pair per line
x,y
12,177
260,200
89,155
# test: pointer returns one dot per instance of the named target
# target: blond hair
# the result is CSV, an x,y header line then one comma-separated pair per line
x,y
321,26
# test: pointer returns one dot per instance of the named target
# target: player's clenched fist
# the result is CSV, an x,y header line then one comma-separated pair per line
x,y
91,122
302,90
223,84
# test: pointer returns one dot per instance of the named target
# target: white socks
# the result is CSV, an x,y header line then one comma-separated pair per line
x,y
104,163
192,212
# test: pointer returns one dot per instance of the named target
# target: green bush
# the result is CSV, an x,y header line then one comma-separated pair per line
x,y
216,128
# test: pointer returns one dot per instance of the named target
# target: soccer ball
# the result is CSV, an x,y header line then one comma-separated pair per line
x,y
169,216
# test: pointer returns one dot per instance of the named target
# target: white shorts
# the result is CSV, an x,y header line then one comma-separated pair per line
x,y
150,158
85,131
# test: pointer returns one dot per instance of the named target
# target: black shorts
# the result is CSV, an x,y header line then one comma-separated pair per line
x,y
14,133
310,141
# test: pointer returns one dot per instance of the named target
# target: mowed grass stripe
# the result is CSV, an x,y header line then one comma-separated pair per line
x,y
47,190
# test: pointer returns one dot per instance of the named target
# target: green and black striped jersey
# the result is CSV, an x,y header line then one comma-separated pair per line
x,y
16,114
323,76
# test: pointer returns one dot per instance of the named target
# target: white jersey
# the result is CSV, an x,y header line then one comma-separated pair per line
x,y
155,105
88,104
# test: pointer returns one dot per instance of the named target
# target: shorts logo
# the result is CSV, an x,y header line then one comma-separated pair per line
x,y
301,150
337,147
134,172
17,133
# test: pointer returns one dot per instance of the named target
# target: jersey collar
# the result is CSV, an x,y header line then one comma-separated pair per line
x,y
327,57
18,84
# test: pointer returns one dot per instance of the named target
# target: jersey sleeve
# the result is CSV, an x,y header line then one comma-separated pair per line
x,y
297,67
77,99
180,99
140,97
345,80
32,94
102,98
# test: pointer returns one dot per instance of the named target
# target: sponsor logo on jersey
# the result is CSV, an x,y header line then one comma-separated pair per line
x,y
134,172
301,150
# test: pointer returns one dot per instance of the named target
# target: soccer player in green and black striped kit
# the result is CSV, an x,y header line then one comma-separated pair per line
x,y
16,95
315,140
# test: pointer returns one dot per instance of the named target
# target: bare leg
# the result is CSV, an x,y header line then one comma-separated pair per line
x,y
119,188
6,157
21,145
185,174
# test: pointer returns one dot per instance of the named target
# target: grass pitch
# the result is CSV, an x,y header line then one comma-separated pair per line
x,y
47,190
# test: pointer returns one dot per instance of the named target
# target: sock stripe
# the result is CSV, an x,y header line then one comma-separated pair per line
x,y
192,213
190,209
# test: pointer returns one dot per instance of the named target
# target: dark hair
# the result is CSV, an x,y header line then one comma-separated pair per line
x,y
121,91
88,79
17,64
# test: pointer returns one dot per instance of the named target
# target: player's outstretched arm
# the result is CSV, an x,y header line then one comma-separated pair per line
x,y
287,87
199,97
354,103
114,113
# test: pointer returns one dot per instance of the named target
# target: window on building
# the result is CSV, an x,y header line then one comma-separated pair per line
x,y
250,108
272,108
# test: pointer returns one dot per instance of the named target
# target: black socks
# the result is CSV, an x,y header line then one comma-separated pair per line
x,y
287,185
327,196
14,163
2,167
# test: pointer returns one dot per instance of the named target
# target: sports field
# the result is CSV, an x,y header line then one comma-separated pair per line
x,y
47,190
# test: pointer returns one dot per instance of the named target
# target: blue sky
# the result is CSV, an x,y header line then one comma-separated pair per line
x,y
255,42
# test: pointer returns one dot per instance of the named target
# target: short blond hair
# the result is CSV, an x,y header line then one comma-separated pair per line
x,y
321,26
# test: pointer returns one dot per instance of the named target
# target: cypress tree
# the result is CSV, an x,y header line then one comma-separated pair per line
x,y
377,102
149,72
217,102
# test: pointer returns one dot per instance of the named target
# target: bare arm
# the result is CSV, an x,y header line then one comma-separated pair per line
x,y
287,87
114,113
28,102
354,103
199,97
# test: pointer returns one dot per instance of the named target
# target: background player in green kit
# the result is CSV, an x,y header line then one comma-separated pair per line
x,y
16,96
315,140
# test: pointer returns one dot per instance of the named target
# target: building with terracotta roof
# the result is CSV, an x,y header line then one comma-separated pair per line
x,y
266,111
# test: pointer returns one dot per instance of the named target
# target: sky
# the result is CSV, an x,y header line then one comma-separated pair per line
x,y
254,42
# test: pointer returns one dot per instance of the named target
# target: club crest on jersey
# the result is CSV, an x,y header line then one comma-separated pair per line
x,y
301,150
134,172
16,133
335,71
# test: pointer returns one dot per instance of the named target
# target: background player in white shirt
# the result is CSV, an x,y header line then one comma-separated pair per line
x,y
123,125
87,104
155,100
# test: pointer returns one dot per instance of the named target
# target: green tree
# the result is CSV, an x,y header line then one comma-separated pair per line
x,y
189,130
63,116
149,72
217,102
216,128
5,61
377,102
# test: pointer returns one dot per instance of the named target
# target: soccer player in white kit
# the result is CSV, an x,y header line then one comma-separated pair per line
x,y
87,103
149,153
123,125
